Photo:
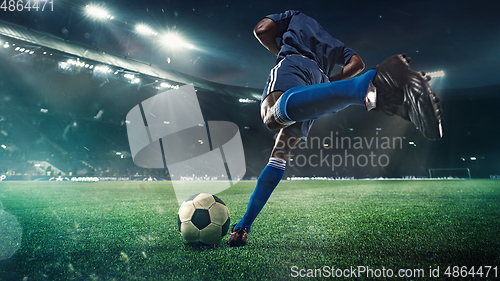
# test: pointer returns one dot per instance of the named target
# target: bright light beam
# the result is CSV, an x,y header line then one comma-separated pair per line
x,y
175,41
436,83
144,29
97,12
436,74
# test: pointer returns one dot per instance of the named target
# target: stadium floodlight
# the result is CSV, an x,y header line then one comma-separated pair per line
x,y
78,63
97,12
169,86
102,69
145,30
129,76
176,41
132,79
247,100
436,74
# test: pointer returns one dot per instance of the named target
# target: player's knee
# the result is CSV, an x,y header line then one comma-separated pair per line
x,y
267,111
271,123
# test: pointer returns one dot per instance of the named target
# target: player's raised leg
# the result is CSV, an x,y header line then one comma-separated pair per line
x,y
312,101
395,88
266,183
404,92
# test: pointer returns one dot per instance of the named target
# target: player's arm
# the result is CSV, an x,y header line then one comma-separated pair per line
x,y
351,69
265,31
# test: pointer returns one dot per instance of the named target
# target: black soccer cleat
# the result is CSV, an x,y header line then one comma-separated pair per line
x,y
238,237
407,93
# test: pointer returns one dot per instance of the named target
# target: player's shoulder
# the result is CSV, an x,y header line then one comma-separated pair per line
x,y
293,12
284,15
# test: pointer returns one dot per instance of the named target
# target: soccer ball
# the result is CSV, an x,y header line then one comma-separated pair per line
x,y
203,218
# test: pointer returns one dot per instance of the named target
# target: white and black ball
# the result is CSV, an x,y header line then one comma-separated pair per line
x,y
203,218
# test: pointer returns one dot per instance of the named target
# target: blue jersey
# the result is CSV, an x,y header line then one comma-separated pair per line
x,y
303,35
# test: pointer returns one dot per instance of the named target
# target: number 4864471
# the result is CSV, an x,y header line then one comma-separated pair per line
x,y
27,5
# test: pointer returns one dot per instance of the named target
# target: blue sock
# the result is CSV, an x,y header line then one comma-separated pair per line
x,y
308,102
268,180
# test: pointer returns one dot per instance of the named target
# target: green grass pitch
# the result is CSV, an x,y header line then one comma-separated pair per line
x,y
128,230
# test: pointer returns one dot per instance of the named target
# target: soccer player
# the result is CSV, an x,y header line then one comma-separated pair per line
x,y
300,89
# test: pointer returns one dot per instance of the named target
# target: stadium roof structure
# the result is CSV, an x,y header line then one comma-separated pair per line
x,y
91,53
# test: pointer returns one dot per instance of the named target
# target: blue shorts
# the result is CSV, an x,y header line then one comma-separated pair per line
x,y
292,71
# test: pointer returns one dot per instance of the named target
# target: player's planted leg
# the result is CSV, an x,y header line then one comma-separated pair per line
x,y
266,183
238,236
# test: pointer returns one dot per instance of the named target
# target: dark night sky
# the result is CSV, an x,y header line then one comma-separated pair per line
x,y
457,36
